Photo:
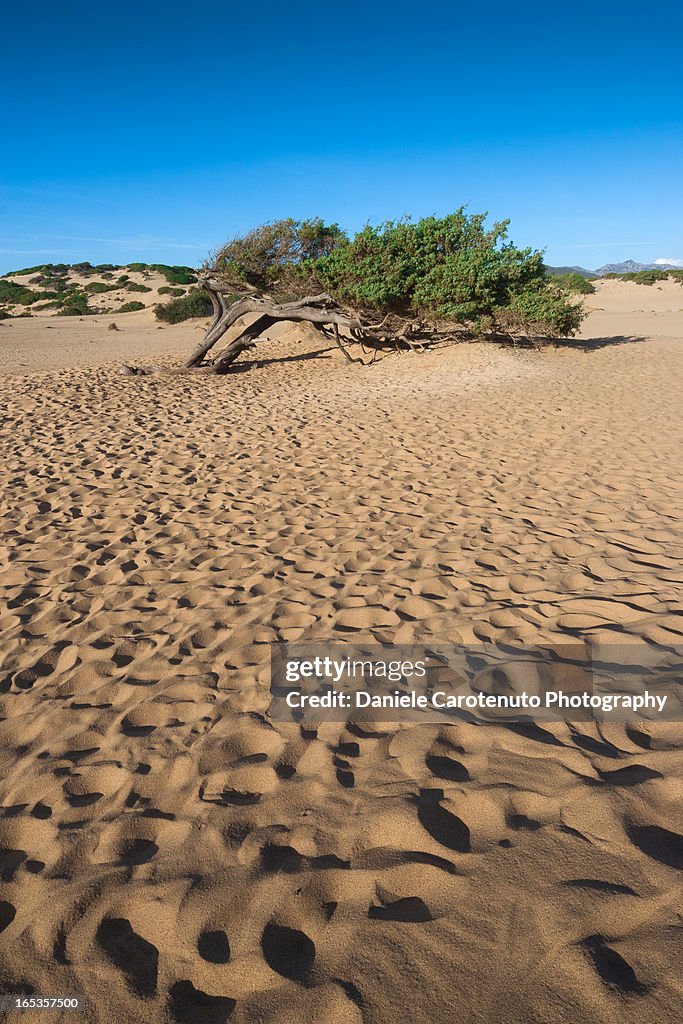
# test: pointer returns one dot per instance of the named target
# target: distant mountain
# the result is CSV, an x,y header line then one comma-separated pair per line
x,y
627,267
630,267
581,271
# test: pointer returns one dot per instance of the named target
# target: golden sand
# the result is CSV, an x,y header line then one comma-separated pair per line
x,y
168,852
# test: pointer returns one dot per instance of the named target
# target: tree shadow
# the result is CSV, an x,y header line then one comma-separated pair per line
x,y
593,344
577,344
249,364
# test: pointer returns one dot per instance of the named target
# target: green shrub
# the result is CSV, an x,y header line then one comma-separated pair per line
x,y
133,286
123,279
574,283
5,314
175,275
540,309
131,307
98,287
168,290
27,270
17,294
195,303
75,303
647,277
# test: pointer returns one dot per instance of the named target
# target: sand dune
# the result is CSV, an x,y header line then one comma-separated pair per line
x,y
169,852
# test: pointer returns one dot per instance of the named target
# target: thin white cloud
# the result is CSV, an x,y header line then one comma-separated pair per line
x,y
34,252
604,245
137,241
669,262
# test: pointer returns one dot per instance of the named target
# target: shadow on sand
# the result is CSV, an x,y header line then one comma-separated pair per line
x,y
577,344
248,364
593,344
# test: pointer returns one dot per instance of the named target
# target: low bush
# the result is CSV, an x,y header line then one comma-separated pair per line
x,y
195,304
75,303
133,286
98,287
131,307
647,277
17,294
168,290
574,283
27,270
540,310
175,275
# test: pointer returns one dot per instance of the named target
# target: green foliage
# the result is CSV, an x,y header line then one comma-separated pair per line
x,y
74,303
574,283
5,314
272,257
27,270
541,309
17,294
133,286
647,277
131,307
174,275
168,290
123,279
97,287
450,267
195,303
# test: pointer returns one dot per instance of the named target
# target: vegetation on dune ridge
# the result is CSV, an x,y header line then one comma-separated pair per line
x,y
174,275
51,286
574,283
647,277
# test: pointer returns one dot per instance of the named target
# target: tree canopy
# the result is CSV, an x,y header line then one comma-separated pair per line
x,y
452,268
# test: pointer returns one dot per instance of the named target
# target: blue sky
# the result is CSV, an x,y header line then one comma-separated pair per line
x,y
154,131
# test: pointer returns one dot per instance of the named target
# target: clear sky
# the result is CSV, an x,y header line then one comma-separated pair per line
x,y
156,130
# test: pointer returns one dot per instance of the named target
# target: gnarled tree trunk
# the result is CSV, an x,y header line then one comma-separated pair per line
x,y
319,310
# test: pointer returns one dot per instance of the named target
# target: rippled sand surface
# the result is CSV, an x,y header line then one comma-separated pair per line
x,y
172,854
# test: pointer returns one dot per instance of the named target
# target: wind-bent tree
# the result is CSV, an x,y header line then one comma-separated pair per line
x,y
403,284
